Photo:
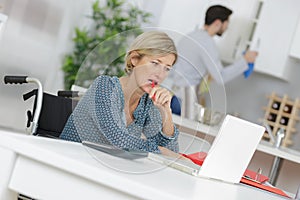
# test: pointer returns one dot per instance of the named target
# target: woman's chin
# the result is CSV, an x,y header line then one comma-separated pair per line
x,y
146,89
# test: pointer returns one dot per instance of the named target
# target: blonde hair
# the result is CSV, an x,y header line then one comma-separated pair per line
x,y
151,43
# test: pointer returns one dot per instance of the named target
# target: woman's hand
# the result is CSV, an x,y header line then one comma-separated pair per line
x,y
161,97
162,100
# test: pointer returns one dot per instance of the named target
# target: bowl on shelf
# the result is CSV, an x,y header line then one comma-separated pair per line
x,y
208,116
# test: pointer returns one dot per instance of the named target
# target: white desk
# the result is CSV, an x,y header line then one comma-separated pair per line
x,y
51,169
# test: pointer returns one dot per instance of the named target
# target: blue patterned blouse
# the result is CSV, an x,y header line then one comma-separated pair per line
x,y
99,117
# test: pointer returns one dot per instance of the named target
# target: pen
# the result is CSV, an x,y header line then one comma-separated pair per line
x,y
153,85
258,174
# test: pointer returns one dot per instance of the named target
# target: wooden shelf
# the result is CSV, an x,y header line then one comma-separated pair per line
x,y
281,108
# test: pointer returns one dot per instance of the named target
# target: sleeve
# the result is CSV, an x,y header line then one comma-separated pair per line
x,y
170,142
107,115
234,70
153,131
223,74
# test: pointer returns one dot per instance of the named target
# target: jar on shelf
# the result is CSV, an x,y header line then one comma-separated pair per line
x,y
272,117
284,121
271,127
287,108
276,105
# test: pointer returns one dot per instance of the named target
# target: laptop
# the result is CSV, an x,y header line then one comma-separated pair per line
x,y
115,151
229,154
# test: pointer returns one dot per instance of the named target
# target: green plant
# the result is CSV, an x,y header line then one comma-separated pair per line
x,y
101,48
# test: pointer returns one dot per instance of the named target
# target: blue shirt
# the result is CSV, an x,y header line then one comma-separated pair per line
x,y
99,117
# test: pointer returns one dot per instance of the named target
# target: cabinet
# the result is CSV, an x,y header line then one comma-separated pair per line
x,y
295,47
3,19
275,30
235,40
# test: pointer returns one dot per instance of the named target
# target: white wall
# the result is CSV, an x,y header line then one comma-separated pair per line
x,y
37,35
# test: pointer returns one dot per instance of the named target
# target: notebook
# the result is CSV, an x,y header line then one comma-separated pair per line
x,y
229,154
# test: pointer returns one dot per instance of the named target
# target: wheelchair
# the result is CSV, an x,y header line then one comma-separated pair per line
x,y
50,112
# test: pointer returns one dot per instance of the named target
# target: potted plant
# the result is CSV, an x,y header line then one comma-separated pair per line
x,y
101,48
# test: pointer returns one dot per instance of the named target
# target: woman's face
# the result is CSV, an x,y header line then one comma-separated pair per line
x,y
151,70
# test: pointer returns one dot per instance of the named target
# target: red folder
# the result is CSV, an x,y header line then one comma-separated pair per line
x,y
248,178
251,175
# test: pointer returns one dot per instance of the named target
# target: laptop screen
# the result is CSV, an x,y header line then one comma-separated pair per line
x,y
232,150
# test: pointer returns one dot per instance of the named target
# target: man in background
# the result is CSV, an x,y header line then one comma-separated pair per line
x,y
199,58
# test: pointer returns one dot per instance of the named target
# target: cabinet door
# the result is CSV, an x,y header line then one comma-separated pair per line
x,y
295,47
235,40
274,31
3,19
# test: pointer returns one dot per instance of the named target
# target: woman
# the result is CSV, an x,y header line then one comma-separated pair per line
x,y
133,111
